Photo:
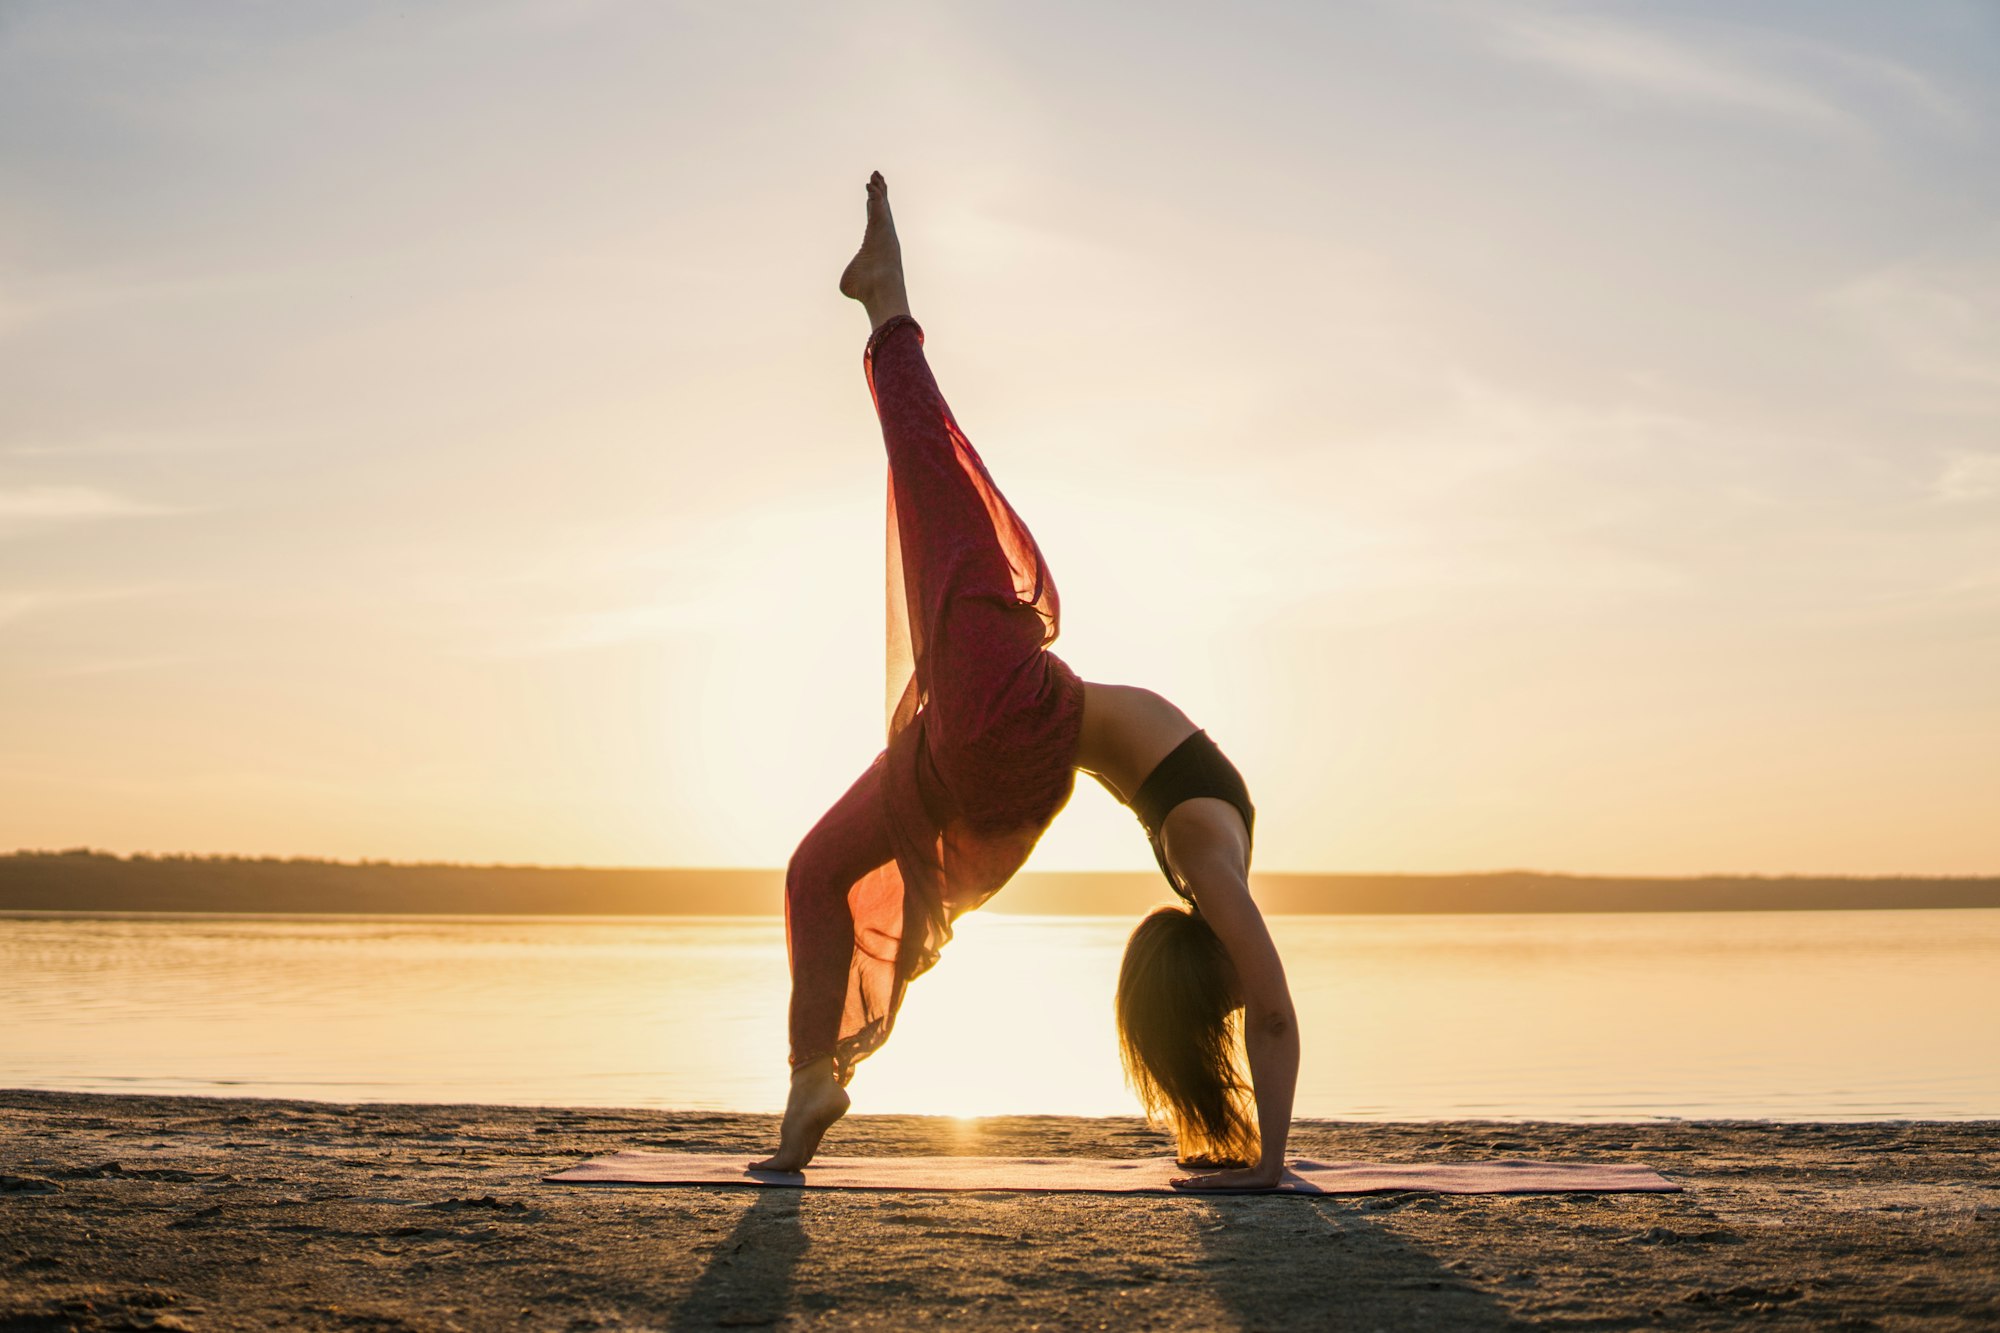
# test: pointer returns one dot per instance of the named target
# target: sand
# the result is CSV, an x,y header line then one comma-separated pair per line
x,y
202,1213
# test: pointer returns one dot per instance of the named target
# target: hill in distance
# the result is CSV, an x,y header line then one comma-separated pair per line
x,y
90,881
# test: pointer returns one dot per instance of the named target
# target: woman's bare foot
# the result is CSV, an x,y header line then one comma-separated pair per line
x,y
874,276
814,1103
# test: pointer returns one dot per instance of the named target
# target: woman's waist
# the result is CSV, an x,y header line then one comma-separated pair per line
x,y
1003,760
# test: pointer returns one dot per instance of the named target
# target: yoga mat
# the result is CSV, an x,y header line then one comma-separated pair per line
x,y
1092,1175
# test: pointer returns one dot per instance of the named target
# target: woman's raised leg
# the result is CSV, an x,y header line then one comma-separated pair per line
x,y
960,544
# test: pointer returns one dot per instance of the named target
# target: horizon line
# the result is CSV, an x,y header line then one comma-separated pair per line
x,y
383,863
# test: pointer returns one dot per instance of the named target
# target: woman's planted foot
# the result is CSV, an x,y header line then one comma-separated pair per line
x,y
814,1103
874,276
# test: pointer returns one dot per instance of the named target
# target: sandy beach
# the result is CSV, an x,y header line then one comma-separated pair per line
x,y
202,1213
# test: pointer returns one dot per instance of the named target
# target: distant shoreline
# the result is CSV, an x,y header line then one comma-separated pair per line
x,y
85,881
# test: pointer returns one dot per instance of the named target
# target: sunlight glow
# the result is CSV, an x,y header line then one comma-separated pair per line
x,y
1016,1019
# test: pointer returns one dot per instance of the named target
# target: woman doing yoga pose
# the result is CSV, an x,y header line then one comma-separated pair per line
x,y
987,731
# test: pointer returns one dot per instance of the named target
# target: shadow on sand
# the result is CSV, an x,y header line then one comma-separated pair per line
x,y
1333,1263
1272,1264
748,1281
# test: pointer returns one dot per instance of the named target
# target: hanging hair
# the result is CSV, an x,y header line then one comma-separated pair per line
x,y
1178,1032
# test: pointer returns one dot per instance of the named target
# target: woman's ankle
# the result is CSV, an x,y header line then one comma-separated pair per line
x,y
881,311
814,1072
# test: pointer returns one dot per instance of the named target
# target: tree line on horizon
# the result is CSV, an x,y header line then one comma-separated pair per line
x,y
85,879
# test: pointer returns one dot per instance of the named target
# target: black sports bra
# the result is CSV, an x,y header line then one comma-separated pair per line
x,y
1195,767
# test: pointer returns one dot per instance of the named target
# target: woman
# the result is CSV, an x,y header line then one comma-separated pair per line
x,y
987,730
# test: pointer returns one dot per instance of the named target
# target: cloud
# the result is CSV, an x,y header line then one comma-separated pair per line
x,y
1912,86
1623,59
23,506
21,603
106,666
1938,318
1969,476
1804,83
612,627
696,578
1494,500
15,605
116,446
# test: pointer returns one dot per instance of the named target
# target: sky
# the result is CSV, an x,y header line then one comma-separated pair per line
x,y
1526,436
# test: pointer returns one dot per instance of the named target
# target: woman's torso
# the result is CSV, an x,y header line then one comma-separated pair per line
x,y
1127,731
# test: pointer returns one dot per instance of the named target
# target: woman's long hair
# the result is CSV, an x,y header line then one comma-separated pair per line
x,y
1178,1032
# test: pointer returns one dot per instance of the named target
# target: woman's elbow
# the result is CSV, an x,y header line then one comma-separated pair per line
x,y
1270,1020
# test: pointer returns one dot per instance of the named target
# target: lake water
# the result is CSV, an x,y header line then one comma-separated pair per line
x,y
1789,1015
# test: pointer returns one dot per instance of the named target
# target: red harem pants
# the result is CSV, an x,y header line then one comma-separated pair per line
x,y
983,730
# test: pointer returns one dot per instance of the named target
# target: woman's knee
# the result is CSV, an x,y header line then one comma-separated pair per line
x,y
806,874
849,840
826,865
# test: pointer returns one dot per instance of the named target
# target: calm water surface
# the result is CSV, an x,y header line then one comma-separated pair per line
x,y
1809,1015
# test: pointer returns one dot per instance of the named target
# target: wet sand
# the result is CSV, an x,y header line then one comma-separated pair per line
x,y
205,1213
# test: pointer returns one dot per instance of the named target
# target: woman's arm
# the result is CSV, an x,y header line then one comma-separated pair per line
x,y
1272,1040
1221,889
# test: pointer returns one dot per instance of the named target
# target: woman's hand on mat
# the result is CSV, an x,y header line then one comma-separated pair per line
x,y
1241,1178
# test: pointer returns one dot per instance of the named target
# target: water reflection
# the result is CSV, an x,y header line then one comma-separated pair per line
x,y
1820,1015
